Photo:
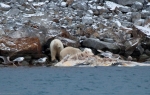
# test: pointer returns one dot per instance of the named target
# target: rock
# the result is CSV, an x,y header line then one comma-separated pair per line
x,y
126,24
80,5
63,4
147,52
139,22
143,30
79,13
90,12
111,5
143,58
97,44
110,40
24,63
102,9
135,16
128,2
137,6
87,20
68,42
13,12
4,7
15,47
69,2
124,9
145,14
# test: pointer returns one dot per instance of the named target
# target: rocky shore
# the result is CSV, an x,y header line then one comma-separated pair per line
x,y
111,28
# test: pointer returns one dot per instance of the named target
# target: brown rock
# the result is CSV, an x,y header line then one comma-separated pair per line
x,y
14,47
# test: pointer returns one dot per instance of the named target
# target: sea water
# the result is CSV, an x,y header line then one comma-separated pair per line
x,y
75,81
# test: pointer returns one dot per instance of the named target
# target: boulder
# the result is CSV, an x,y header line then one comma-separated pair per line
x,y
97,44
137,6
135,16
128,2
14,47
63,4
87,20
4,7
145,14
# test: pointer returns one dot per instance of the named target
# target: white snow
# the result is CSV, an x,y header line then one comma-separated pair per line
x,y
147,26
90,11
145,30
30,0
38,4
99,7
4,5
118,23
145,11
63,4
112,5
36,14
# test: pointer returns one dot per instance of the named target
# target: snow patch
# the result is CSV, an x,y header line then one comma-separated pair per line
x,y
30,0
148,3
112,5
63,4
118,23
38,4
145,30
4,5
99,7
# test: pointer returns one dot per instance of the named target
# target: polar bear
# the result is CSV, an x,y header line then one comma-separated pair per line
x,y
55,47
69,51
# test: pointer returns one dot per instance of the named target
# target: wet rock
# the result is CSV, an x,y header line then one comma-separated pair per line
x,y
80,5
110,40
147,52
97,44
15,47
143,58
24,63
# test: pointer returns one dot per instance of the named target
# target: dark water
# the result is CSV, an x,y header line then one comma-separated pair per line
x,y
75,81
